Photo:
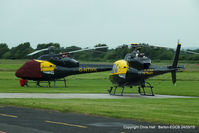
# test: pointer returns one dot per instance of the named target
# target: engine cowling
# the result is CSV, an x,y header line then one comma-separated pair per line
x,y
65,62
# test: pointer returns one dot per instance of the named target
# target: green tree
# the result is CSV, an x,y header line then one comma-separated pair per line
x,y
46,45
21,51
3,49
73,48
6,55
98,54
110,55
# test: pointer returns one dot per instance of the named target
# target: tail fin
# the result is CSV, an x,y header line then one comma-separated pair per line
x,y
173,75
175,63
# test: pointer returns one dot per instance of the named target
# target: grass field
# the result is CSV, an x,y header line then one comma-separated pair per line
x,y
170,111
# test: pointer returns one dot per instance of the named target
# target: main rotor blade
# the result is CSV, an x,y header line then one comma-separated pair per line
x,y
186,51
85,49
33,53
191,52
160,47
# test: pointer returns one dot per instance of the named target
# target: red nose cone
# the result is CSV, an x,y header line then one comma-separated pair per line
x,y
30,70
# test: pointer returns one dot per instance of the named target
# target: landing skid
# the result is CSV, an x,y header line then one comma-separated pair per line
x,y
49,83
38,83
143,88
114,93
145,85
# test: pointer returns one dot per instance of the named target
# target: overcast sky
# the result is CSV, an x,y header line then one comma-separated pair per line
x,y
88,22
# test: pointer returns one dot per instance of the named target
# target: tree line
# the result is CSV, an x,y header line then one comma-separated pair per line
x,y
155,53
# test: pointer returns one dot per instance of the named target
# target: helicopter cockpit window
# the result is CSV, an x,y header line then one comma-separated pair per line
x,y
141,55
113,69
117,68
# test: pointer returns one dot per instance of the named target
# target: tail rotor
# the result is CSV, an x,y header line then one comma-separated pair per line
x,y
175,63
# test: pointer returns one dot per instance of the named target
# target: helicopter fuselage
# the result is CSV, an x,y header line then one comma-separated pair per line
x,y
135,68
124,75
51,67
42,70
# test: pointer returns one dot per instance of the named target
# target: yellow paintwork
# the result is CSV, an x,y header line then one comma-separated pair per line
x,y
90,69
147,73
46,65
120,67
134,44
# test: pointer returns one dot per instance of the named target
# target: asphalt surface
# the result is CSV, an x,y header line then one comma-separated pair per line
x,y
88,96
24,120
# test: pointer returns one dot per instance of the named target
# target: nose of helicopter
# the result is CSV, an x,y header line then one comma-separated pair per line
x,y
29,70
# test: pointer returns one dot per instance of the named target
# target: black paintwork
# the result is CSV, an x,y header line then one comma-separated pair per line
x,y
137,60
66,66
136,77
60,60
140,69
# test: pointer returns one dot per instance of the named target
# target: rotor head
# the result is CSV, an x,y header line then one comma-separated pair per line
x,y
136,46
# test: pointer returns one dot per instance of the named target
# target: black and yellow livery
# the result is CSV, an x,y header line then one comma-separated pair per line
x,y
136,68
51,67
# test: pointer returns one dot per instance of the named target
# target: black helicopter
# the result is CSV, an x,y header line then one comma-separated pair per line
x,y
136,68
53,67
